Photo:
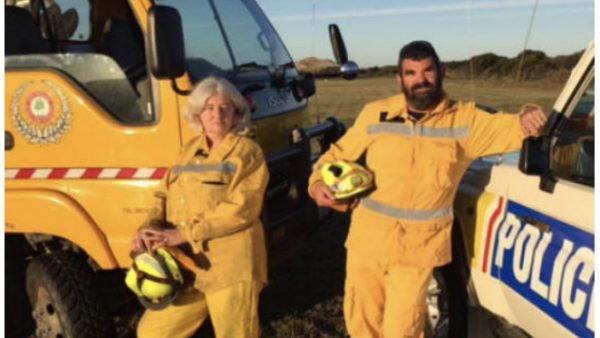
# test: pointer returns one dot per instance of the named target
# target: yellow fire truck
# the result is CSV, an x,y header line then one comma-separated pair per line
x,y
94,91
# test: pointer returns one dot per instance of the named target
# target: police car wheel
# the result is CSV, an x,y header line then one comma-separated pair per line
x,y
63,300
438,317
447,295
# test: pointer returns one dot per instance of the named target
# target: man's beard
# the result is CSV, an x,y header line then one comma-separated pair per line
x,y
424,100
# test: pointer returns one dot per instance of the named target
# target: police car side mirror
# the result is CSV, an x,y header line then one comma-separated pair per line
x,y
535,156
165,43
535,160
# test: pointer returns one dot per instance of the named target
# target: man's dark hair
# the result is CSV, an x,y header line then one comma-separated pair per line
x,y
418,50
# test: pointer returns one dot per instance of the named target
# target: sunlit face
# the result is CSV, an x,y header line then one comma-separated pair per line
x,y
421,83
218,116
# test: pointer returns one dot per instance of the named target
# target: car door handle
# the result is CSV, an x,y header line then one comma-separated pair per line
x,y
9,141
536,223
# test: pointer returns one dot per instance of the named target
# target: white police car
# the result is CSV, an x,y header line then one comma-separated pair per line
x,y
523,243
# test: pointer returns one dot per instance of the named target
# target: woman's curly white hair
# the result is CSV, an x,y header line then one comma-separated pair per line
x,y
204,90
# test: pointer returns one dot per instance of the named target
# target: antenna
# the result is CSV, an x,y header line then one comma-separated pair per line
x,y
470,34
526,40
316,97
525,43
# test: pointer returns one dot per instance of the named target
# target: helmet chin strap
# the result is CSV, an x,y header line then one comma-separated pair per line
x,y
141,276
175,282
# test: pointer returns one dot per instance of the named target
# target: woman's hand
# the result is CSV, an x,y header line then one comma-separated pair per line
x,y
146,239
150,238
172,237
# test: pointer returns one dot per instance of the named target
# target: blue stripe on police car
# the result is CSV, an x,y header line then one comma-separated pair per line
x,y
549,263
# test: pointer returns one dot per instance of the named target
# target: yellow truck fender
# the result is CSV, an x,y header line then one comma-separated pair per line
x,y
56,214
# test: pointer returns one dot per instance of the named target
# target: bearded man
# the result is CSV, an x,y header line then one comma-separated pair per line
x,y
418,144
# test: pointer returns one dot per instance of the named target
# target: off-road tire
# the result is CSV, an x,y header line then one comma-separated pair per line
x,y
63,297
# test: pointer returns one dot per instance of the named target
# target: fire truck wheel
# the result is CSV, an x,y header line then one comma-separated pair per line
x,y
63,298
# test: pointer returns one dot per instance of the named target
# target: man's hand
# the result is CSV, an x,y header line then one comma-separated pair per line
x,y
533,119
322,195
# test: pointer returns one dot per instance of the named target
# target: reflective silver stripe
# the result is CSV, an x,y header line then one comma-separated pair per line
x,y
157,270
415,215
418,130
225,167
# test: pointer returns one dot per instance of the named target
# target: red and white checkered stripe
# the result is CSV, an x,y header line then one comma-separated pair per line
x,y
83,173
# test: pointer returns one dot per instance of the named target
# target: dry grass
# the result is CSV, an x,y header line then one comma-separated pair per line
x,y
344,99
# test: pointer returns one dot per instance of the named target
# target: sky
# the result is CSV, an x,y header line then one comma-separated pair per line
x,y
375,30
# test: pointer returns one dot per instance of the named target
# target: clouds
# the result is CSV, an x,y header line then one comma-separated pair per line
x,y
428,8
375,30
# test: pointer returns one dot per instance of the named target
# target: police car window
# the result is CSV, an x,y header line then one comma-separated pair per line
x,y
573,151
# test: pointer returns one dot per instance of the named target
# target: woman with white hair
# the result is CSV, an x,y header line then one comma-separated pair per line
x,y
214,196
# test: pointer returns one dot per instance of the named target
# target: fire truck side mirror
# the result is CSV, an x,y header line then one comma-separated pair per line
x,y
165,48
348,69
338,45
304,87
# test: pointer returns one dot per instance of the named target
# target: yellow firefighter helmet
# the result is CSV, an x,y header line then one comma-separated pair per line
x,y
346,179
155,278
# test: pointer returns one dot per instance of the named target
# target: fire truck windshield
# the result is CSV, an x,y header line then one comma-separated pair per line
x,y
227,36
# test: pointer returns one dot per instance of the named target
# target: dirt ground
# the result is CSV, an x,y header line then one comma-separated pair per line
x,y
304,297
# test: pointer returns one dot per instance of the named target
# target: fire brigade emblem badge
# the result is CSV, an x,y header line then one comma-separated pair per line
x,y
40,112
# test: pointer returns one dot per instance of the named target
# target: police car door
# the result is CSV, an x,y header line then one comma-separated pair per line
x,y
547,244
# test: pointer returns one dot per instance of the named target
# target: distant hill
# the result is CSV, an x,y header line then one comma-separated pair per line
x,y
536,66
321,67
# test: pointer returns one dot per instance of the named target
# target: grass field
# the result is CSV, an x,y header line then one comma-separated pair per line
x,y
344,99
